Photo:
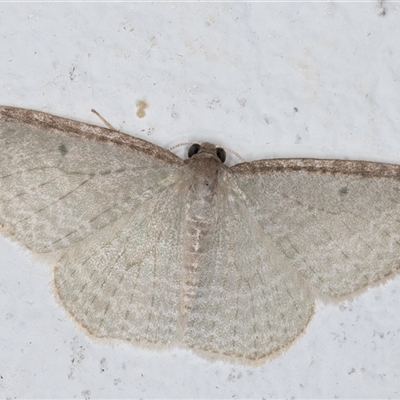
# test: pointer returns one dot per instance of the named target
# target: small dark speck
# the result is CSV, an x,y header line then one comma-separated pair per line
x,y
103,365
63,149
86,394
382,11
343,191
295,109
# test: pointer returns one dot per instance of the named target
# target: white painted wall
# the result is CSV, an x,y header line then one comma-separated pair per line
x,y
265,79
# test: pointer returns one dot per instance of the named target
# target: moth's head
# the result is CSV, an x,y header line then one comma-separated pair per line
x,y
200,150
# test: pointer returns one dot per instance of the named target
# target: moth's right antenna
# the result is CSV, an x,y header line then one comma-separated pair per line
x,y
235,154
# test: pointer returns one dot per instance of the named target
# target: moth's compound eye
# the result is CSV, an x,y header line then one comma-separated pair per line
x,y
221,154
193,149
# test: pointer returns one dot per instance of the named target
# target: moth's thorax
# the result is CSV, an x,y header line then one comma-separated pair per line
x,y
205,170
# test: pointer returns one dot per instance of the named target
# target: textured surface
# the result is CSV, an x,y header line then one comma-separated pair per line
x,y
57,189
226,73
124,282
250,302
158,251
337,221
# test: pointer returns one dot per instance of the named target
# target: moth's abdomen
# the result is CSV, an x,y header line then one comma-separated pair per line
x,y
200,217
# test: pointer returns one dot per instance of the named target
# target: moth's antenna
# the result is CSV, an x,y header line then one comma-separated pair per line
x,y
235,154
105,122
180,144
225,148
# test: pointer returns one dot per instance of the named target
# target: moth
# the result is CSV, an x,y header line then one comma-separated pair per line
x,y
161,252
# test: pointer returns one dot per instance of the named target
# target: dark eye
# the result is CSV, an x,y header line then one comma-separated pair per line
x,y
221,154
193,149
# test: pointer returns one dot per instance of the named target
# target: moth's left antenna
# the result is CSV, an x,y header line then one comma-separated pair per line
x,y
105,122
